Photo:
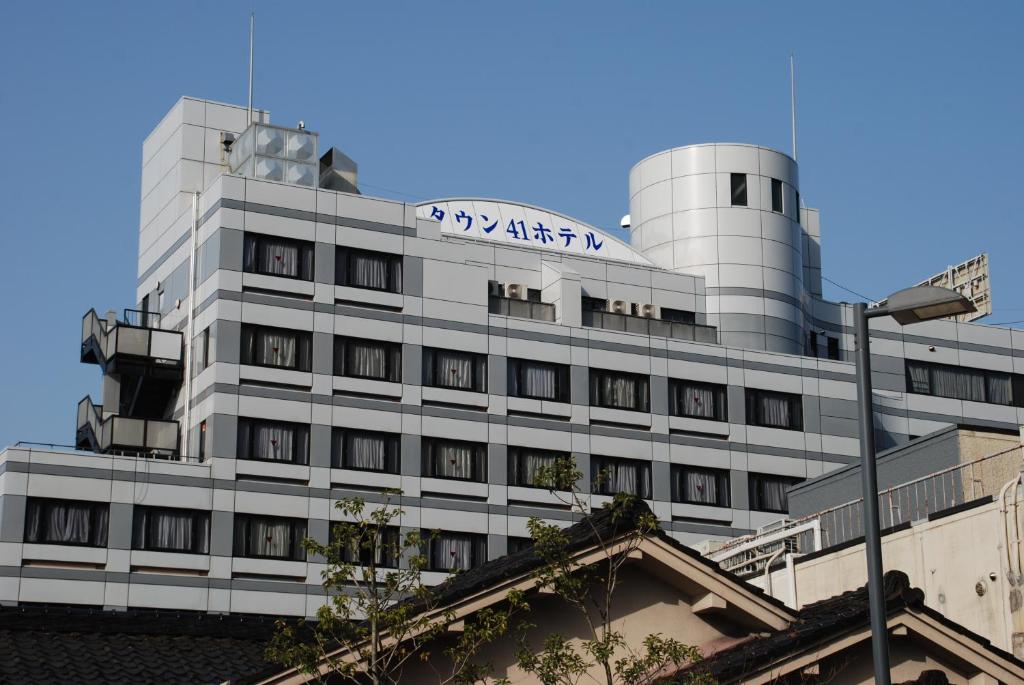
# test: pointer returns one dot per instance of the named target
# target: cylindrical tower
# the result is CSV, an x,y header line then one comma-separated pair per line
x,y
730,213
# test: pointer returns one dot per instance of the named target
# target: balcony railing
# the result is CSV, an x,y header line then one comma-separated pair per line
x,y
637,324
523,309
105,344
116,434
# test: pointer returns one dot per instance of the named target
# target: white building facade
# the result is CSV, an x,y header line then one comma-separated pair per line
x,y
340,344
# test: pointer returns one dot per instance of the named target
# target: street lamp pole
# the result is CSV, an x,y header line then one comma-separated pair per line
x,y
869,484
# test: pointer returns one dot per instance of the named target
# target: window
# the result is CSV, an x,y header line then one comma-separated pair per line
x,y
373,359
593,304
454,459
738,184
273,256
774,409
381,546
777,196
693,485
518,544
268,537
957,382
630,476
277,347
524,463
201,352
367,269
365,450
66,522
202,441
455,370
615,390
796,204
833,347
538,380
812,344
262,440
769,493
455,551
677,315
697,400
158,529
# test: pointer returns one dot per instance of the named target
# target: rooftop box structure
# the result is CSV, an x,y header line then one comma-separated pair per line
x,y
274,153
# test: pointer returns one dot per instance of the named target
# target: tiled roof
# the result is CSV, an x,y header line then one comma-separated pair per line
x,y
83,646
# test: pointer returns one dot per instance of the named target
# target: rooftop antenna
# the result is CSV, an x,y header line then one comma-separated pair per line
x,y
252,31
792,98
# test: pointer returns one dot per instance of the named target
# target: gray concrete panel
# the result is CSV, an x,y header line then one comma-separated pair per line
x,y
582,460
661,480
412,364
497,464
411,464
412,276
222,533
497,375
319,530
737,400
227,341
231,241
12,518
497,546
323,353
223,430
739,489
320,445
323,263
659,395
119,526
579,377
812,414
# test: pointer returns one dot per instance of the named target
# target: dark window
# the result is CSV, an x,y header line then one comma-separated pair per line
x,y
455,551
812,344
538,380
454,369
374,359
693,485
455,459
269,537
518,544
202,441
677,315
382,547
365,450
201,352
833,347
957,382
593,304
66,522
277,347
774,409
524,463
777,196
770,493
697,400
159,529
796,208
263,440
273,256
367,269
616,390
612,475
738,183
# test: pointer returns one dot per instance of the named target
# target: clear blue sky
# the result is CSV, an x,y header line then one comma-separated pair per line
x,y
910,120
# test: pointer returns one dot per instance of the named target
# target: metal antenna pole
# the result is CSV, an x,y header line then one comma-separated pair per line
x,y
792,98
252,31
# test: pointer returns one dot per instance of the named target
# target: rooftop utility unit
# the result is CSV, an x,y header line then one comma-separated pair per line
x,y
274,153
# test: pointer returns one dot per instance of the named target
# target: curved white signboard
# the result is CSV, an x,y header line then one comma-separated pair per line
x,y
526,226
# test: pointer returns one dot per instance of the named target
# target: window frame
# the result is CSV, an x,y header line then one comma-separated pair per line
x,y
599,462
46,502
479,370
721,398
678,315
390,347
516,452
739,195
563,383
386,562
339,461
429,466
796,408
778,196
642,394
1016,382
249,422
753,478
247,356
197,518
344,252
298,529
478,551
306,253
678,471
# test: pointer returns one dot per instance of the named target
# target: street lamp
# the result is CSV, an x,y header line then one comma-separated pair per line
x,y
912,305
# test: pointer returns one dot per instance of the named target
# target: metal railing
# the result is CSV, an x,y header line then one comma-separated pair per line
x,y
523,309
637,324
912,501
121,433
100,338
141,319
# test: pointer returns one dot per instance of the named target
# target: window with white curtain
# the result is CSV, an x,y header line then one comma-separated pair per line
x,y
697,400
274,256
693,485
961,383
264,440
771,409
538,380
380,546
277,347
454,459
268,537
373,359
618,390
368,269
448,551
611,476
158,529
365,450
66,522
455,370
770,493
525,464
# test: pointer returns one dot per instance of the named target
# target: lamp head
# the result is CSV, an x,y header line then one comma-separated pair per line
x,y
923,303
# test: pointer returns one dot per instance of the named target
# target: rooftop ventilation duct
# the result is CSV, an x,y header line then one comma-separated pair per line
x,y
338,172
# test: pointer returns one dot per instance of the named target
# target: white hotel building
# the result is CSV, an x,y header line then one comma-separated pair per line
x,y
341,344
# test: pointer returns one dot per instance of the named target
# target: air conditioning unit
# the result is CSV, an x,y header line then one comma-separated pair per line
x,y
648,311
516,291
619,307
